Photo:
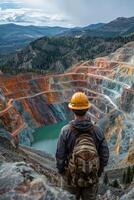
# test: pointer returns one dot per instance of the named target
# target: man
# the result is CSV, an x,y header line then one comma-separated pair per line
x,y
82,151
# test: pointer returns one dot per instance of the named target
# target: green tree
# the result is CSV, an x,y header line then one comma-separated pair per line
x,y
124,177
116,184
133,170
129,176
106,179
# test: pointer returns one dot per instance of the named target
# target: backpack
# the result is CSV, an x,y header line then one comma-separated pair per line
x,y
83,166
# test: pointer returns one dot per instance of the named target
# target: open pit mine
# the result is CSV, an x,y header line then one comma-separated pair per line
x,y
29,101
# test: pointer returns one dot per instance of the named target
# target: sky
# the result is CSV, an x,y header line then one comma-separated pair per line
x,y
67,13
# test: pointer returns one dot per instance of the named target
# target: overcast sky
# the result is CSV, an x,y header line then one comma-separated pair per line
x,y
63,12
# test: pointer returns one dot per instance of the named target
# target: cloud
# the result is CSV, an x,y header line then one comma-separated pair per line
x,y
84,12
4,4
64,12
28,16
18,12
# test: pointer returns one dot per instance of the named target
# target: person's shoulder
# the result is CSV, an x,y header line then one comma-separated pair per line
x,y
98,132
65,131
65,128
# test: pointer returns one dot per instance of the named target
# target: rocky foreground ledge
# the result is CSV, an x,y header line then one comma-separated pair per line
x,y
20,181
27,174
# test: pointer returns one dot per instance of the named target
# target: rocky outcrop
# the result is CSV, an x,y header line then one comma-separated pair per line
x,y
129,195
28,175
20,181
124,54
127,99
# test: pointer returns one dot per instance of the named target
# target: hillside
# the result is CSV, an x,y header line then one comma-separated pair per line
x,y
57,54
118,26
13,37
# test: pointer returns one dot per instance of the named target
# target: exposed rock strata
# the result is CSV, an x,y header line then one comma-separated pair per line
x,y
39,100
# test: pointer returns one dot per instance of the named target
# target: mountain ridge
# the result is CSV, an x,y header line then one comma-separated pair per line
x,y
20,36
114,28
14,37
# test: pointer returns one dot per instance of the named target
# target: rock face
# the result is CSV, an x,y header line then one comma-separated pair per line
x,y
127,101
129,195
29,101
28,174
19,181
124,54
26,103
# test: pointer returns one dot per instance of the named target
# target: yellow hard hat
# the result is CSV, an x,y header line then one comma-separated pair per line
x,y
79,101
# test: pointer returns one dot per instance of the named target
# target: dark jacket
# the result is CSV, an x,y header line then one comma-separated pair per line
x,y
67,140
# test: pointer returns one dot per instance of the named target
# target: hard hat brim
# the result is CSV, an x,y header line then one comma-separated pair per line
x,y
79,108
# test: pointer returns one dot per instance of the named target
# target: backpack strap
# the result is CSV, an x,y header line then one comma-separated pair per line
x,y
75,131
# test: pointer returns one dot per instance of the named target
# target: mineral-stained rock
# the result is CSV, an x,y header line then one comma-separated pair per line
x,y
127,99
130,156
18,181
28,174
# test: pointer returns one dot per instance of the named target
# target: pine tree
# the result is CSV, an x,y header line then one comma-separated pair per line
x,y
129,175
124,178
133,170
132,173
106,179
116,183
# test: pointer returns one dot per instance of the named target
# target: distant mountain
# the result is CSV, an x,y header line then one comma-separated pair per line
x,y
118,27
94,26
79,31
14,36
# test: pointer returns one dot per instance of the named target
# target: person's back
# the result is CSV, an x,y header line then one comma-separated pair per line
x,y
82,151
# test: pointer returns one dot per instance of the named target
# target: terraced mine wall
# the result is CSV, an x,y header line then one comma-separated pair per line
x,y
30,101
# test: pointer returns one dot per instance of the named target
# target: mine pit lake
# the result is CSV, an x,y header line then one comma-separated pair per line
x,y
45,138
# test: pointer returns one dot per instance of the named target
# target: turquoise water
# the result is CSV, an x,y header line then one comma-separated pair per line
x,y
45,138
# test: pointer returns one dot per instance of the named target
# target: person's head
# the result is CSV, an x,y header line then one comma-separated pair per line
x,y
79,104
